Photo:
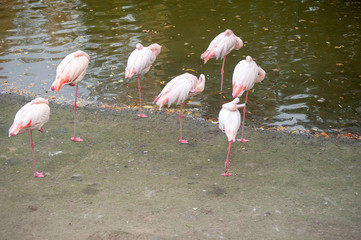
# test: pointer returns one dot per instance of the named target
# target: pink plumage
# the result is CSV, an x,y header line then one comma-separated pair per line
x,y
178,90
71,71
139,63
245,75
220,46
229,119
32,116
141,59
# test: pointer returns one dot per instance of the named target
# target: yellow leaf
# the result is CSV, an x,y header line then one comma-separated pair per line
x,y
147,106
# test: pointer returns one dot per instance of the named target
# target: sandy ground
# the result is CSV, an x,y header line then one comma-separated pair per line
x,y
131,179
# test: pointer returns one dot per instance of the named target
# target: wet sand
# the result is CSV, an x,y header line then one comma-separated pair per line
x,y
131,179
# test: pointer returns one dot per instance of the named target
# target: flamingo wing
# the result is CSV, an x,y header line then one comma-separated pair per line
x,y
139,62
222,45
244,77
31,116
225,46
71,69
212,48
176,91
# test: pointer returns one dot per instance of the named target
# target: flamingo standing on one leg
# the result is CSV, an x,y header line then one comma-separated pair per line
x,y
220,46
229,121
178,90
139,63
31,116
71,71
245,75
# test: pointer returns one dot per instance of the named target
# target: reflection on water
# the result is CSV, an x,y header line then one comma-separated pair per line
x,y
309,49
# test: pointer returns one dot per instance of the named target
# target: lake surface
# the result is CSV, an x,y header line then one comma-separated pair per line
x,y
309,49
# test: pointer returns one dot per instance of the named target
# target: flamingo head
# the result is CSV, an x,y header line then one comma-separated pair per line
x,y
228,32
39,100
155,48
139,46
249,59
233,106
201,83
81,53
239,43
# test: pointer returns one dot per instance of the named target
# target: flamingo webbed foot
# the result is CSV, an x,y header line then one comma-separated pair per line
x,y
183,141
226,174
242,140
38,174
141,115
76,139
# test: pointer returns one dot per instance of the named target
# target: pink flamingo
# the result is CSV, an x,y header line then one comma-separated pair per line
x,y
220,46
32,116
71,71
229,121
245,75
139,63
178,90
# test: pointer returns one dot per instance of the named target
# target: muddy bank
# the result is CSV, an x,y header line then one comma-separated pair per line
x,y
131,179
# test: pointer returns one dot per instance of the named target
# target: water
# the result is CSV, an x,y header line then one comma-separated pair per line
x,y
309,49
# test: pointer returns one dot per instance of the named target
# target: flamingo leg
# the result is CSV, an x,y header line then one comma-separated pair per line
x,y
36,174
76,139
226,173
140,101
180,120
222,72
244,118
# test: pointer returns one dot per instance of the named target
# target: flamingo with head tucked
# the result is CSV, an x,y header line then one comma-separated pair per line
x,y
229,122
71,71
245,75
139,63
178,90
220,46
31,116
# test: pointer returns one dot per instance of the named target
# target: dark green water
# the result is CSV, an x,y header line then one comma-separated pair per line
x,y
309,49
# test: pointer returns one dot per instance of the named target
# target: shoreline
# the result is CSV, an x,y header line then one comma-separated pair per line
x,y
335,134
